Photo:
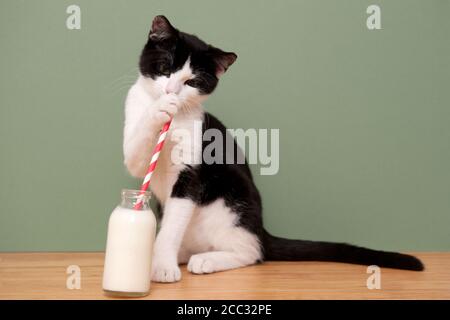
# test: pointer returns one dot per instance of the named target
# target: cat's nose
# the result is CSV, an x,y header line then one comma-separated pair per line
x,y
173,87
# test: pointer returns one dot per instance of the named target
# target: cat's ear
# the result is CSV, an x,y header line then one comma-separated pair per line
x,y
161,29
223,60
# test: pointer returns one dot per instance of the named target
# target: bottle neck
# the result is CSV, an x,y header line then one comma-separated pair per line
x,y
131,197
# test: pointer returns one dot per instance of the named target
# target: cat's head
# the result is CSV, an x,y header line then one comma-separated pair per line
x,y
176,62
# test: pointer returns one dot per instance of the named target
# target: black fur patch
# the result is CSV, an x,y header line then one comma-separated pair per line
x,y
206,183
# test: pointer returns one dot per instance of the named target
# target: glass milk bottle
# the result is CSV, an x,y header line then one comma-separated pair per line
x,y
129,247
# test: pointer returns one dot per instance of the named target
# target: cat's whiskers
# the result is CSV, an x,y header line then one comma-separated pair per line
x,y
187,106
123,81
121,87
131,72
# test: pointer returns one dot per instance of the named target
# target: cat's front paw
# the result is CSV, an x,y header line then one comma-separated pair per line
x,y
168,106
169,103
165,271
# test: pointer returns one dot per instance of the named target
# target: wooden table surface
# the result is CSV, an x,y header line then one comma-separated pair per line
x,y
43,276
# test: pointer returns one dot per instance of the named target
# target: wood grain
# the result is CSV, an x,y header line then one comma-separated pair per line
x,y
43,276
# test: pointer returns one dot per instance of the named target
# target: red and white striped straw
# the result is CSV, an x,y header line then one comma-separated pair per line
x,y
152,166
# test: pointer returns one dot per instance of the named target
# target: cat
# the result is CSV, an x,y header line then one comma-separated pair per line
x,y
212,213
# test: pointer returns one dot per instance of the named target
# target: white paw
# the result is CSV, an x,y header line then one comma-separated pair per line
x,y
169,104
163,271
167,107
199,264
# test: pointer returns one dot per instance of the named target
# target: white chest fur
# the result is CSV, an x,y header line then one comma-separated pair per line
x,y
183,147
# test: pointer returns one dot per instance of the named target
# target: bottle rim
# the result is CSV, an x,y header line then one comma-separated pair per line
x,y
135,194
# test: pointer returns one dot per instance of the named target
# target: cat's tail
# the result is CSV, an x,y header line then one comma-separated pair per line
x,y
279,249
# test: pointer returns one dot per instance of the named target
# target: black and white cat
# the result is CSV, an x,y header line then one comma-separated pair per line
x,y
212,214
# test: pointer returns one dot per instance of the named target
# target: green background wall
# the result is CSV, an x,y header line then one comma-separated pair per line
x,y
364,116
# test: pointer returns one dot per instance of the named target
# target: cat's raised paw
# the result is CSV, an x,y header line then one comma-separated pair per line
x,y
167,107
169,103
200,264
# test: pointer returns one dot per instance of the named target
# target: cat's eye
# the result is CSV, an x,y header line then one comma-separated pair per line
x,y
163,69
190,82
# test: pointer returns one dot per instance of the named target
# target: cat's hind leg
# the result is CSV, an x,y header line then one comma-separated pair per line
x,y
225,244
215,261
